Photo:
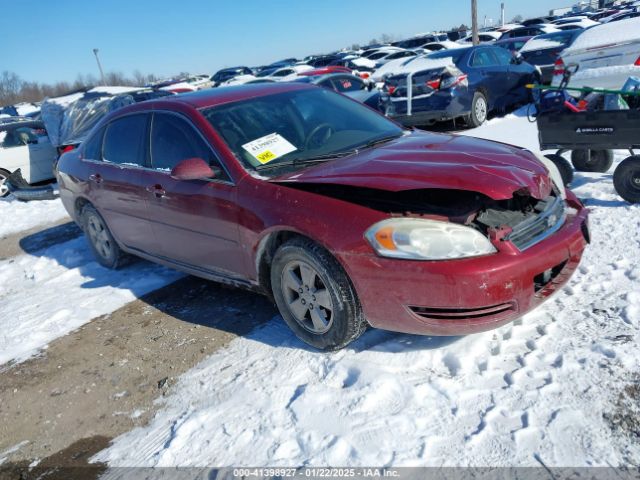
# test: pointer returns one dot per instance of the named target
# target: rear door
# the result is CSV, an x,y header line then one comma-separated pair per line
x,y
518,75
494,78
116,157
196,220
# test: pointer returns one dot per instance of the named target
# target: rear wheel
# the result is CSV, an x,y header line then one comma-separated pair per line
x,y
314,296
479,110
626,179
565,168
599,161
4,190
103,245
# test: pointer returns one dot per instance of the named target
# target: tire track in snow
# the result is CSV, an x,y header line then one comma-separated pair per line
x,y
52,291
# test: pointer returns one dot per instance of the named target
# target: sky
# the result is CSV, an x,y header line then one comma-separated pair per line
x,y
48,41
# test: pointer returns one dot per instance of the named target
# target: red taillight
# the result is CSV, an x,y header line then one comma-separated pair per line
x,y
558,67
68,148
364,75
637,62
450,82
391,89
435,84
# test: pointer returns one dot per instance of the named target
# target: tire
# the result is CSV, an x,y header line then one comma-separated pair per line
x,y
4,191
626,179
103,245
565,168
478,113
300,270
600,160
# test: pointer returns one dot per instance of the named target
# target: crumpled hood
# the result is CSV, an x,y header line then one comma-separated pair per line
x,y
427,160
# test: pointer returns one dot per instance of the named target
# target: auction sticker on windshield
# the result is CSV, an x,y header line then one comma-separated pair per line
x,y
268,148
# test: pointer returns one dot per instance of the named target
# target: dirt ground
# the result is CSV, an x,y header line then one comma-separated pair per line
x,y
103,379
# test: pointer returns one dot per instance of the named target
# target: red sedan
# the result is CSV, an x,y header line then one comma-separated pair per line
x,y
343,217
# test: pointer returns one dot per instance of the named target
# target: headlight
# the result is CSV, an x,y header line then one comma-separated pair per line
x,y
423,239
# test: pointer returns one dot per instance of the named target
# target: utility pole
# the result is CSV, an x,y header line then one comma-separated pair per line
x,y
502,14
474,22
95,52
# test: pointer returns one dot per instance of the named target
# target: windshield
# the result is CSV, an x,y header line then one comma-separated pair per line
x,y
455,54
286,129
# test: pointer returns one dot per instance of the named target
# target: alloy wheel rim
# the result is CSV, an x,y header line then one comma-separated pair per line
x,y
481,110
99,236
634,181
307,297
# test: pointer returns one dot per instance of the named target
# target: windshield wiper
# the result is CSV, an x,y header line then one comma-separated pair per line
x,y
328,156
303,161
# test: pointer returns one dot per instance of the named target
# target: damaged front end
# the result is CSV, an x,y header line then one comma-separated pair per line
x,y
522,220
18,186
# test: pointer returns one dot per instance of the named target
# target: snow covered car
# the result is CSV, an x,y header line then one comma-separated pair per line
x,y
530,31
25,146
606,55
354,87
463,83
227,74
343,217
544,50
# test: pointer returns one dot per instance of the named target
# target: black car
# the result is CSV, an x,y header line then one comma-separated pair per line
x,y
353,87
228,73
544,50
530,31
478,80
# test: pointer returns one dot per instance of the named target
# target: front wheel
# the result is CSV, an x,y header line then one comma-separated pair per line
x,y
479,110
599,161
314,296
626,179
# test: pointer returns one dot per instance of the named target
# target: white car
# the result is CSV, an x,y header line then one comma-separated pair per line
x,y
286,74
483,37
25,146
606,55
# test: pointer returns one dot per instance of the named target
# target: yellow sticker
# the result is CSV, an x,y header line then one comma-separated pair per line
x,y
266,156
268,148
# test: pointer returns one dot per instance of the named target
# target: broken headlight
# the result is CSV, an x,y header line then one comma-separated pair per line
x,y
423,239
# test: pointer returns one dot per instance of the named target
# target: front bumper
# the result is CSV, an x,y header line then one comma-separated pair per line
x,y
20,189
468,295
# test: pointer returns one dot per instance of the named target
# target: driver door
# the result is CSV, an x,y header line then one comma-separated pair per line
x,y
195,221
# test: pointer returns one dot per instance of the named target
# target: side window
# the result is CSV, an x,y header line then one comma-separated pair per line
x,y
18,137
482,58
504,56
174,140
92,149
125,140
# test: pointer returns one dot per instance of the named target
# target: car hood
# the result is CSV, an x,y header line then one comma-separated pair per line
x,y
423,160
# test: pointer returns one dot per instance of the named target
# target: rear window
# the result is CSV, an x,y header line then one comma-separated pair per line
x,y
456,54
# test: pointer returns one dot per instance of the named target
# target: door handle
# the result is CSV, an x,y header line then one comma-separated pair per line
x,y
95,177
157,190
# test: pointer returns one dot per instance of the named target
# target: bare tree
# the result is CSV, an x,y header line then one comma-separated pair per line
x,y
517,19
10,85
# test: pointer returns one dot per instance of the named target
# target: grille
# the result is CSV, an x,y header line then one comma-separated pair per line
x,y
462,313
533,230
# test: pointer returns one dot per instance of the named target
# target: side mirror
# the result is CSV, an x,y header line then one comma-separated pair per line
x,y
517,59
192,169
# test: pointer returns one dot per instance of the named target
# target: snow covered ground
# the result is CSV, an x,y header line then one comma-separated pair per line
x,y
16,216
51,292
545,389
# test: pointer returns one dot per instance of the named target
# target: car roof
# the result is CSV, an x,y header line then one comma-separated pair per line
x,y
217,96
513,39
